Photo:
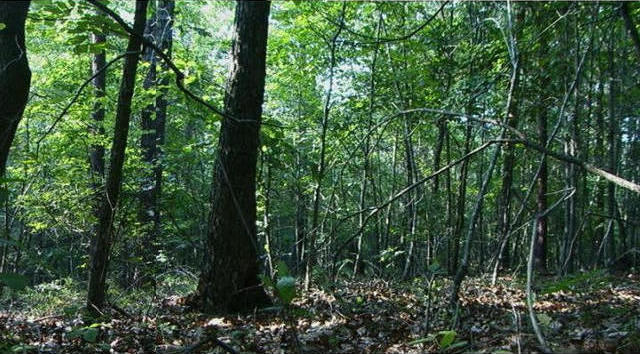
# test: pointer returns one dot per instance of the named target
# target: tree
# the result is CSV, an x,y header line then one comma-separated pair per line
x,y
15,76
102,241
540,249
229,278
96,151
159,30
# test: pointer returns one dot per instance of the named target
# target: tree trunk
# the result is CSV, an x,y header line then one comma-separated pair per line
x,y
96,153
101,242
631,27
15,76
320,171
159,30
357,264
229,278
612,159
540,246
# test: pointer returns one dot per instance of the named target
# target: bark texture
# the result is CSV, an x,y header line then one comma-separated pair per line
x,y
229,279
15,76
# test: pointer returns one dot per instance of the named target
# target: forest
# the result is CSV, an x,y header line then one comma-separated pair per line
x,y
208,176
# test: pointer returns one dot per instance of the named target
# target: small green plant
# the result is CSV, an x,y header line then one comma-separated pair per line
x,y
446,342
596,279
88,333
56,297
284,288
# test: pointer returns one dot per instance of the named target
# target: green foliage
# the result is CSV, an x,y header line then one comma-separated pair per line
x,y
445,343
66,295
286,289
14,281
593,280
285,286
86,333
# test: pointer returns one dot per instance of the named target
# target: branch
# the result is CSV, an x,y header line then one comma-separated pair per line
x,y
179,75
532,315
75,98
619,181
391,39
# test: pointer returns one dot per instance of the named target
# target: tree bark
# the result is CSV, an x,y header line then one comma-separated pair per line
x,y
229,278
159,30
631,27
101,242
15,76
96,153
540,246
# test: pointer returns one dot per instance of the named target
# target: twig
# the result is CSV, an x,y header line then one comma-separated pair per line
x,y
47,318
532,315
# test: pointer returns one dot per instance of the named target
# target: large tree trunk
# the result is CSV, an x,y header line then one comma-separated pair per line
x,y
15,76
229,279
101,242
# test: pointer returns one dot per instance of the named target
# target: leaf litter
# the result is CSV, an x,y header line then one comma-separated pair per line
x,y
358,317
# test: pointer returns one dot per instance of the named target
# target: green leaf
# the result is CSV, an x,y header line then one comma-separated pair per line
x,y
70,310
286,287
544,319
14,281
266,282
429,338
447,338
282,270
2,26
90,334
458,344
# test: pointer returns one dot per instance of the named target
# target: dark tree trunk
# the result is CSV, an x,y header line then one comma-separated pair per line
x,y
15,76
631,27
101,242
159,30
504,206
164,34
612,133
148,206
540,246
96,153
229,279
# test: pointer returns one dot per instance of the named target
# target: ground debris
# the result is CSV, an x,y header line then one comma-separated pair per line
x,y
368,317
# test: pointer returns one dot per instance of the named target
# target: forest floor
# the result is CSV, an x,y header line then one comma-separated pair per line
x,y
592,312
